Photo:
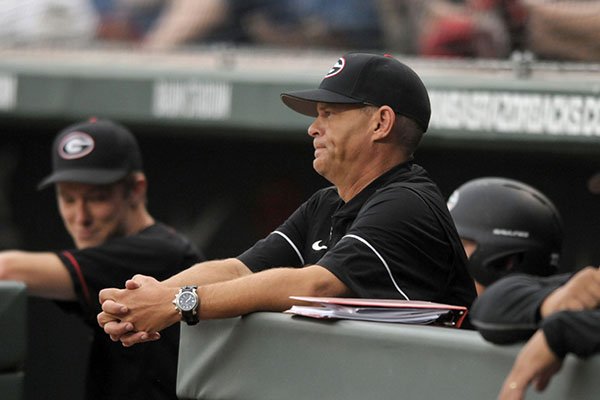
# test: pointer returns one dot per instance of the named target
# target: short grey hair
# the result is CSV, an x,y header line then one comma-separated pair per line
x,y
409,133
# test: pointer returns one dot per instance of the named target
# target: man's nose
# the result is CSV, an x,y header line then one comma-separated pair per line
x,y
314,129
82,214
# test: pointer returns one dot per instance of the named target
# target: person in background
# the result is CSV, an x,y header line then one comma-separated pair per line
x,y
506,227
283,23
125,21
557,315
101,195
382,231
563,30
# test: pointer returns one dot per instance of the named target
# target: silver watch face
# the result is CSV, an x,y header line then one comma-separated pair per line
x,y
187,301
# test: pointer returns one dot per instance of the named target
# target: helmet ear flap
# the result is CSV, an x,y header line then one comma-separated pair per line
x,y
507,264
487,270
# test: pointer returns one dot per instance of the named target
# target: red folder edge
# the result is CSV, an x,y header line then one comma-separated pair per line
x,y
391,303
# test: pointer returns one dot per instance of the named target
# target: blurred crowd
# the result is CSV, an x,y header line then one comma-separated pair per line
x,y
548,29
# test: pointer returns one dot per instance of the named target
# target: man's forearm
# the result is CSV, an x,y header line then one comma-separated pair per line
x,y
507,311
43,273
267,291
209,272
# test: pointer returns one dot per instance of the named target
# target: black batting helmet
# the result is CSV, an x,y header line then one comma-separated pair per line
x,y
507,218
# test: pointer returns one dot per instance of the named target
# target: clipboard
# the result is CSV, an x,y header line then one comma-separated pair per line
x,y
381,310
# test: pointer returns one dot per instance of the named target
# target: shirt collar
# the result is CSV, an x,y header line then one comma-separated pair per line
x,y
352,207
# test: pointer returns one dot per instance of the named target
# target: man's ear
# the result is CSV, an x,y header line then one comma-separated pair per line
x,y
384,119
138,189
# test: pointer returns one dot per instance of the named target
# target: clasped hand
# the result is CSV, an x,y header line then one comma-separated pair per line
x,y
137,313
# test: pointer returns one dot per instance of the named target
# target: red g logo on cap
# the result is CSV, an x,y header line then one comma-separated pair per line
x,y
337,68
75,145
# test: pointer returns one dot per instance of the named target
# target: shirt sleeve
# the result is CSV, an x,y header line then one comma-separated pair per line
x,y
281,247
508,310
576,332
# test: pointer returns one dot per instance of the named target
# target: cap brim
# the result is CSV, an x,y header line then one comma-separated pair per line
x,y
89,176
304,101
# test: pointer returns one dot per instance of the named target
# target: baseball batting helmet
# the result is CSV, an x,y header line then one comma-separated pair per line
x,y
507,219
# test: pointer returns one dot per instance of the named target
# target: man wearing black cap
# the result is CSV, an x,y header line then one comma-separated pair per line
x,y
383,230
101,195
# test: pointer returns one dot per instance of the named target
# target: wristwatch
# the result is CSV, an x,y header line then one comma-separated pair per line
x,y
187,303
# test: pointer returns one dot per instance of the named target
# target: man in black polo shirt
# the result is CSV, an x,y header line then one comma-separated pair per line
x,y
382,231
101,196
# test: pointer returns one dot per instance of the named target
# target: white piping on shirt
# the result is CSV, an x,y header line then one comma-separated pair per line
x,y
382,261
291,244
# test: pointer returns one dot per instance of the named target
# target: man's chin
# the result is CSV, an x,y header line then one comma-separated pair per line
x,y
317,166
321,171
86,243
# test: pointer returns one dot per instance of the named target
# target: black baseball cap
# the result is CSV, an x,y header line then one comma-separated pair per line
x,y
361,78
95,151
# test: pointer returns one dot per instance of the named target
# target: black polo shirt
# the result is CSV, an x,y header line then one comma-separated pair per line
x,y
143,372
395,239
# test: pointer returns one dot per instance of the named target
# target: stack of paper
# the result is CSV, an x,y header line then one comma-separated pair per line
x,y
381,310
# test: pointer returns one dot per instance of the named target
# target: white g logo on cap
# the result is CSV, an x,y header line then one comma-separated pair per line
x,y
75,145
337,68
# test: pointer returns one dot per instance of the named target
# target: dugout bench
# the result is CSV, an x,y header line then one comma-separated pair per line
x,y
278,356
